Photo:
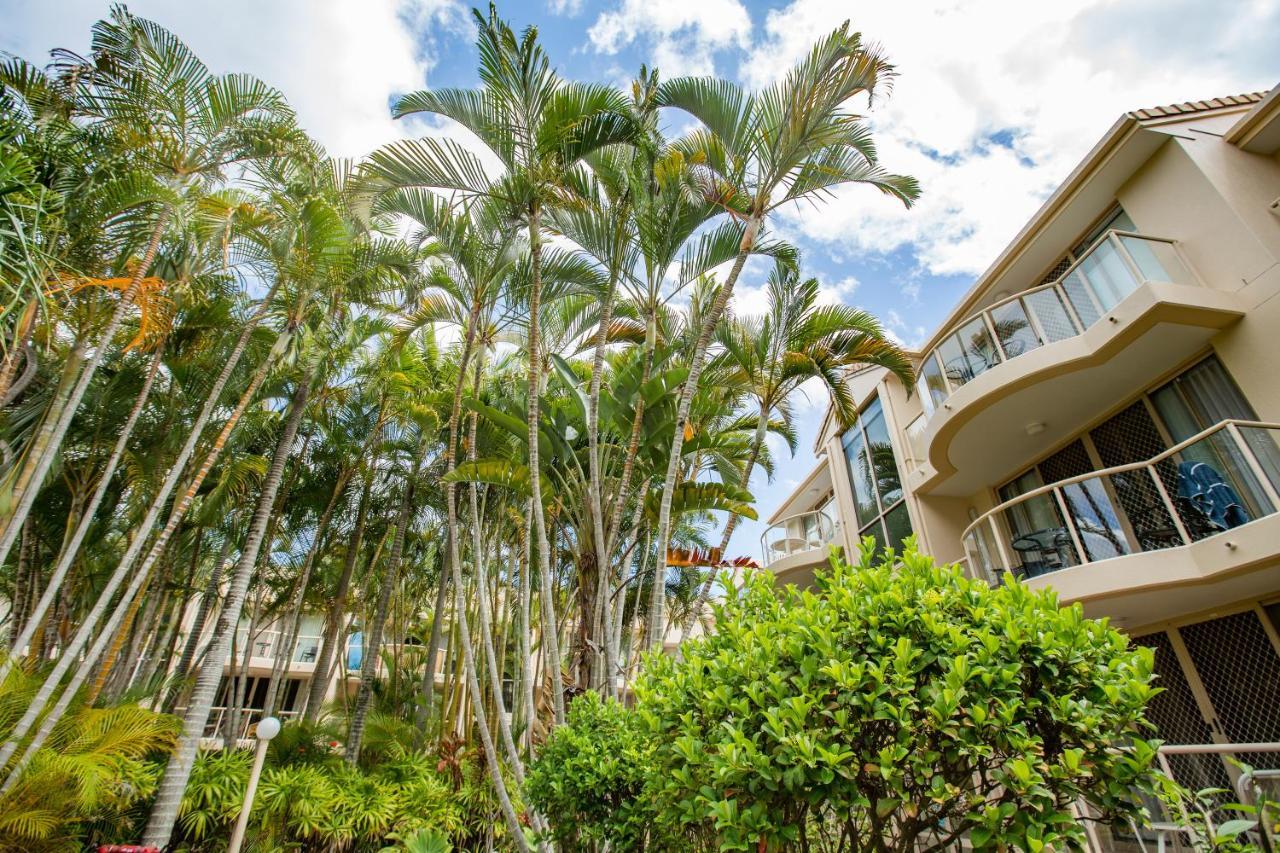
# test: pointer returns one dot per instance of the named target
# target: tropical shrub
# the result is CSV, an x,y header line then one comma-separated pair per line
x,y
326,804
90,780
590,775
897,707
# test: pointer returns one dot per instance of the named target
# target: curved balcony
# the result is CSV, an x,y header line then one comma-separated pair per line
x,y
983,388
796,545
1201,510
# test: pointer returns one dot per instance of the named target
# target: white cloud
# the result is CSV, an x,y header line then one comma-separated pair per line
x,y
683,36
996,101
565,7
338,62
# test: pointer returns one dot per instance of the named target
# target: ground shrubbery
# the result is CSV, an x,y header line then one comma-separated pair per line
x,y
895,707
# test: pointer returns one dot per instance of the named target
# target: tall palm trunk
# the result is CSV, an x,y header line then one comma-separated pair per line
x,y
20,350
207,599
526,657
451,502
329,651
484,608
477,697
32,456
550,638
72,649
72,548
169,795
594,499
695,612
285,651
657,602
373,637
48,446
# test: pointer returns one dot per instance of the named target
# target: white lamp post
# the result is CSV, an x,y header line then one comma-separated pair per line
x,y
268,727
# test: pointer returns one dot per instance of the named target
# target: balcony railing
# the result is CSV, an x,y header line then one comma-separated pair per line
x,y
1217,480
265,645
805,531
1113,267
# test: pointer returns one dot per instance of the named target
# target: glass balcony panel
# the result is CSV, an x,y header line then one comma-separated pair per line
x,y
1038,541
931,386
1212,486
1146,518
1096,519
805,532
1014,329
968,353
1077,291
1156,260
1105,272
1051,314
1262,443
980,548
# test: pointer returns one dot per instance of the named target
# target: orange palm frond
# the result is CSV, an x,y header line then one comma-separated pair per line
x,y
155,310
706,558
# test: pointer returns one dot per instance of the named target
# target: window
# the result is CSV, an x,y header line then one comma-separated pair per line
x,y
877,486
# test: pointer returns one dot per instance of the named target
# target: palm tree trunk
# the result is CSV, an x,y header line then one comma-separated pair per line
x,y
657,602
594,499
20,349
47,449
762,428
33,454
451,502
484,610
330,653
526,656
535,476
72,548
285,651
373,636
72,650
477,698
169,795
207,599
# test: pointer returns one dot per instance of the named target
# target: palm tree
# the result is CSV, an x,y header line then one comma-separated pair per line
x,y
181,127
793,141
541,128
795,341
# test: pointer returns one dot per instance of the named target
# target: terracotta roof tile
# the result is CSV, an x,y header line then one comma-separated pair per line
x,y
1188,107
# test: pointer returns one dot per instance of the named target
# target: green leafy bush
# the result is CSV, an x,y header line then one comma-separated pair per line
x,y
324,805
589,776
896,707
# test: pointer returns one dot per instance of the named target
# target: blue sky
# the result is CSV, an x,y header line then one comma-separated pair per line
x,y
995,102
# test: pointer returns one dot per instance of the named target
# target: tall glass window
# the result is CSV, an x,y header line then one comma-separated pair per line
x,y
877,485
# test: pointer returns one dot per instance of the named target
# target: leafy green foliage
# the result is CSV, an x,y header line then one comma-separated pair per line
x,y
327,803
590,774
900,702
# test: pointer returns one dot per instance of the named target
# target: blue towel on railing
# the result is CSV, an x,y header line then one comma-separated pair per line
x,y
1201,484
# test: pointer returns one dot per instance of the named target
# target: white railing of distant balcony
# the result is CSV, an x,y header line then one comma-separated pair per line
x,y
249,717
265,644
1117,263
805,531
1217,480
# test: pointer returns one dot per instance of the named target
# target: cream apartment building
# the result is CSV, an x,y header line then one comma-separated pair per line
x,y
1101,415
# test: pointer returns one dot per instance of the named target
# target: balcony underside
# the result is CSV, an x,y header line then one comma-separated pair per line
x,y
798,568
981,436
1140,590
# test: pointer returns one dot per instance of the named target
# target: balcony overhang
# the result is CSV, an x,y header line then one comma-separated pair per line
x,y
799,568
1143,589
992,427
